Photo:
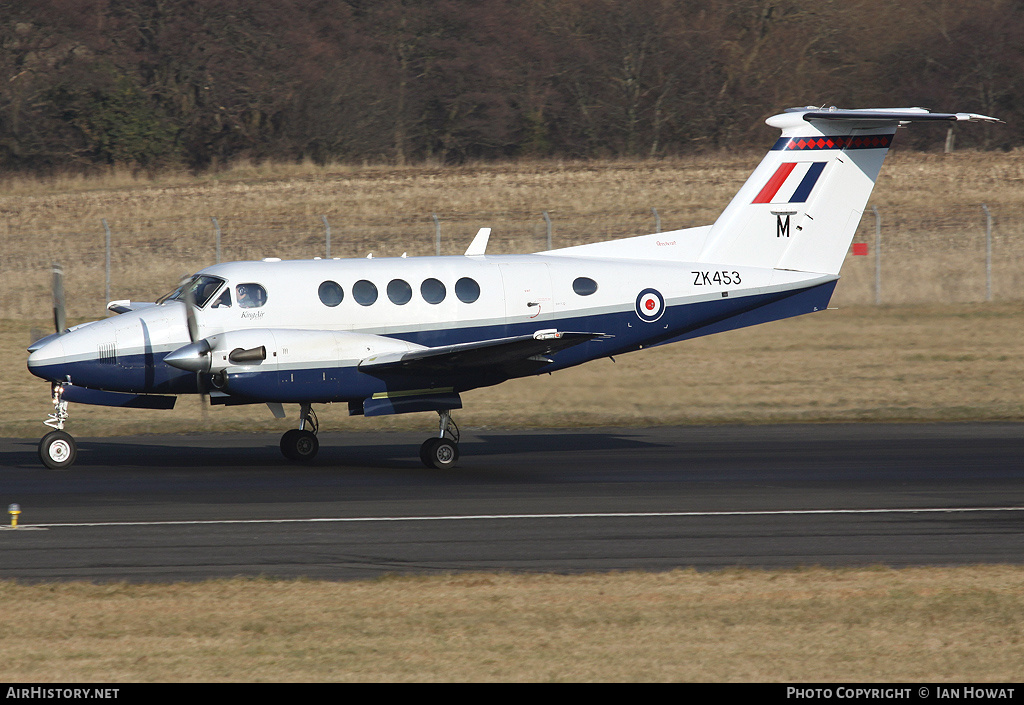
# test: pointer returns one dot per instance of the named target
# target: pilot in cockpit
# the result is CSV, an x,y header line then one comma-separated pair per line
x,y
248,297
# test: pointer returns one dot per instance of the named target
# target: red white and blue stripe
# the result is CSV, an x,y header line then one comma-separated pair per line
x,y
792,182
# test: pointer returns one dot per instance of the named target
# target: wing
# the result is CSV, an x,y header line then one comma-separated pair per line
x,y
514,356
126,306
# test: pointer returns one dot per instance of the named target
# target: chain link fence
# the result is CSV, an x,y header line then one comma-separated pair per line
x,y
922,255
905,256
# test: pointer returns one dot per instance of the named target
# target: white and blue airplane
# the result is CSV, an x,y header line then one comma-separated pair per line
x,y
398,335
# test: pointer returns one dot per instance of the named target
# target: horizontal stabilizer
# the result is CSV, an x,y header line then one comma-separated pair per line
x,y
890,114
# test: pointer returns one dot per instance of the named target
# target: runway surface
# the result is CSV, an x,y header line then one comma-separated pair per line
x,y
164,508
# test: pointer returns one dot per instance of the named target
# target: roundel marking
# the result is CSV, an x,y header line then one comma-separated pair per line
x,y
650,305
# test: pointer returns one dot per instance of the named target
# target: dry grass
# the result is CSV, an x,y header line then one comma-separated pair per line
x,y
811,625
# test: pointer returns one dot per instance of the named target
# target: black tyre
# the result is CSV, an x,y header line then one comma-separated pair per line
x,y
300,446
426,449
439,453
57,450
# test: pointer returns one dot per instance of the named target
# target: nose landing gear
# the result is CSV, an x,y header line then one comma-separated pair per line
x,y
57,449
442,451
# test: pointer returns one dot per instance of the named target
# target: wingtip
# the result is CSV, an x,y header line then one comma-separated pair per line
x,y
975,117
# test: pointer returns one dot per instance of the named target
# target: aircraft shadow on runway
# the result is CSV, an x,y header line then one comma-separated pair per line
x,y
262,451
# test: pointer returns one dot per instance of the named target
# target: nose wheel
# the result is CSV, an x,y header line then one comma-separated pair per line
x,y
442,451
58,450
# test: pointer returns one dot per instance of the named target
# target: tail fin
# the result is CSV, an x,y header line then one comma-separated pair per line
x,y
801,206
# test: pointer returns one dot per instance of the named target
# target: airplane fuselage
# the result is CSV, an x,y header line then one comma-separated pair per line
x,y
318,319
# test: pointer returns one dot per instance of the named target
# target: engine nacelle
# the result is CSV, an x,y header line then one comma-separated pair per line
x,y
271,349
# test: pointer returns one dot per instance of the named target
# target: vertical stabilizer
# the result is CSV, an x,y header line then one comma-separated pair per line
x,y
800,208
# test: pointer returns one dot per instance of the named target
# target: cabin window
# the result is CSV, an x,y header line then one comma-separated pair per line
x,y
250,295
364,292
584,286
399,291
432,291
331,293
467,290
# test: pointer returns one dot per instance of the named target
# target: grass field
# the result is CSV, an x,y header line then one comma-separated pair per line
x,y
935,352
809,625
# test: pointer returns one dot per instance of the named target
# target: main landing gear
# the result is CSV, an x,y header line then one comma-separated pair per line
x,y
442,451
300,444
57,449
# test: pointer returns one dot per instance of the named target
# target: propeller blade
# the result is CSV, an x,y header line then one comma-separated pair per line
x,y
196,355
190,314
60,319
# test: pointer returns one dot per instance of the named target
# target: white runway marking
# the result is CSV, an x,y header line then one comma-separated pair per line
x,y
493,517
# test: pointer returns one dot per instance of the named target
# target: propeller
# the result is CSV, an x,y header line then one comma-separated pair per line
x,y
60,317
194,357
198,350
37,337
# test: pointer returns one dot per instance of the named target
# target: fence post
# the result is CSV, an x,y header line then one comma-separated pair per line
x,y
327,229
107,229
547,219
216,227
437,235
988,252
878,255
657,220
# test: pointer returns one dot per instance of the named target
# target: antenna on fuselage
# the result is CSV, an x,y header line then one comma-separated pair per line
x,y
479,244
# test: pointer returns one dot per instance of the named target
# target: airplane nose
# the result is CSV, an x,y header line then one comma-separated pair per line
x,y
48,361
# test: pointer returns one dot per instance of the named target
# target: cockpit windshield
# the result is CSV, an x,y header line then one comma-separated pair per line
x,y
200,289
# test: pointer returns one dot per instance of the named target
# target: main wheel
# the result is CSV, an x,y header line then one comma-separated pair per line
x,y
439,453
57,450
298,445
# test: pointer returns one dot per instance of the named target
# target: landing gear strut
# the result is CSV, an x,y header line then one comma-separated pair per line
x,y
57,449
442,451
300,444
